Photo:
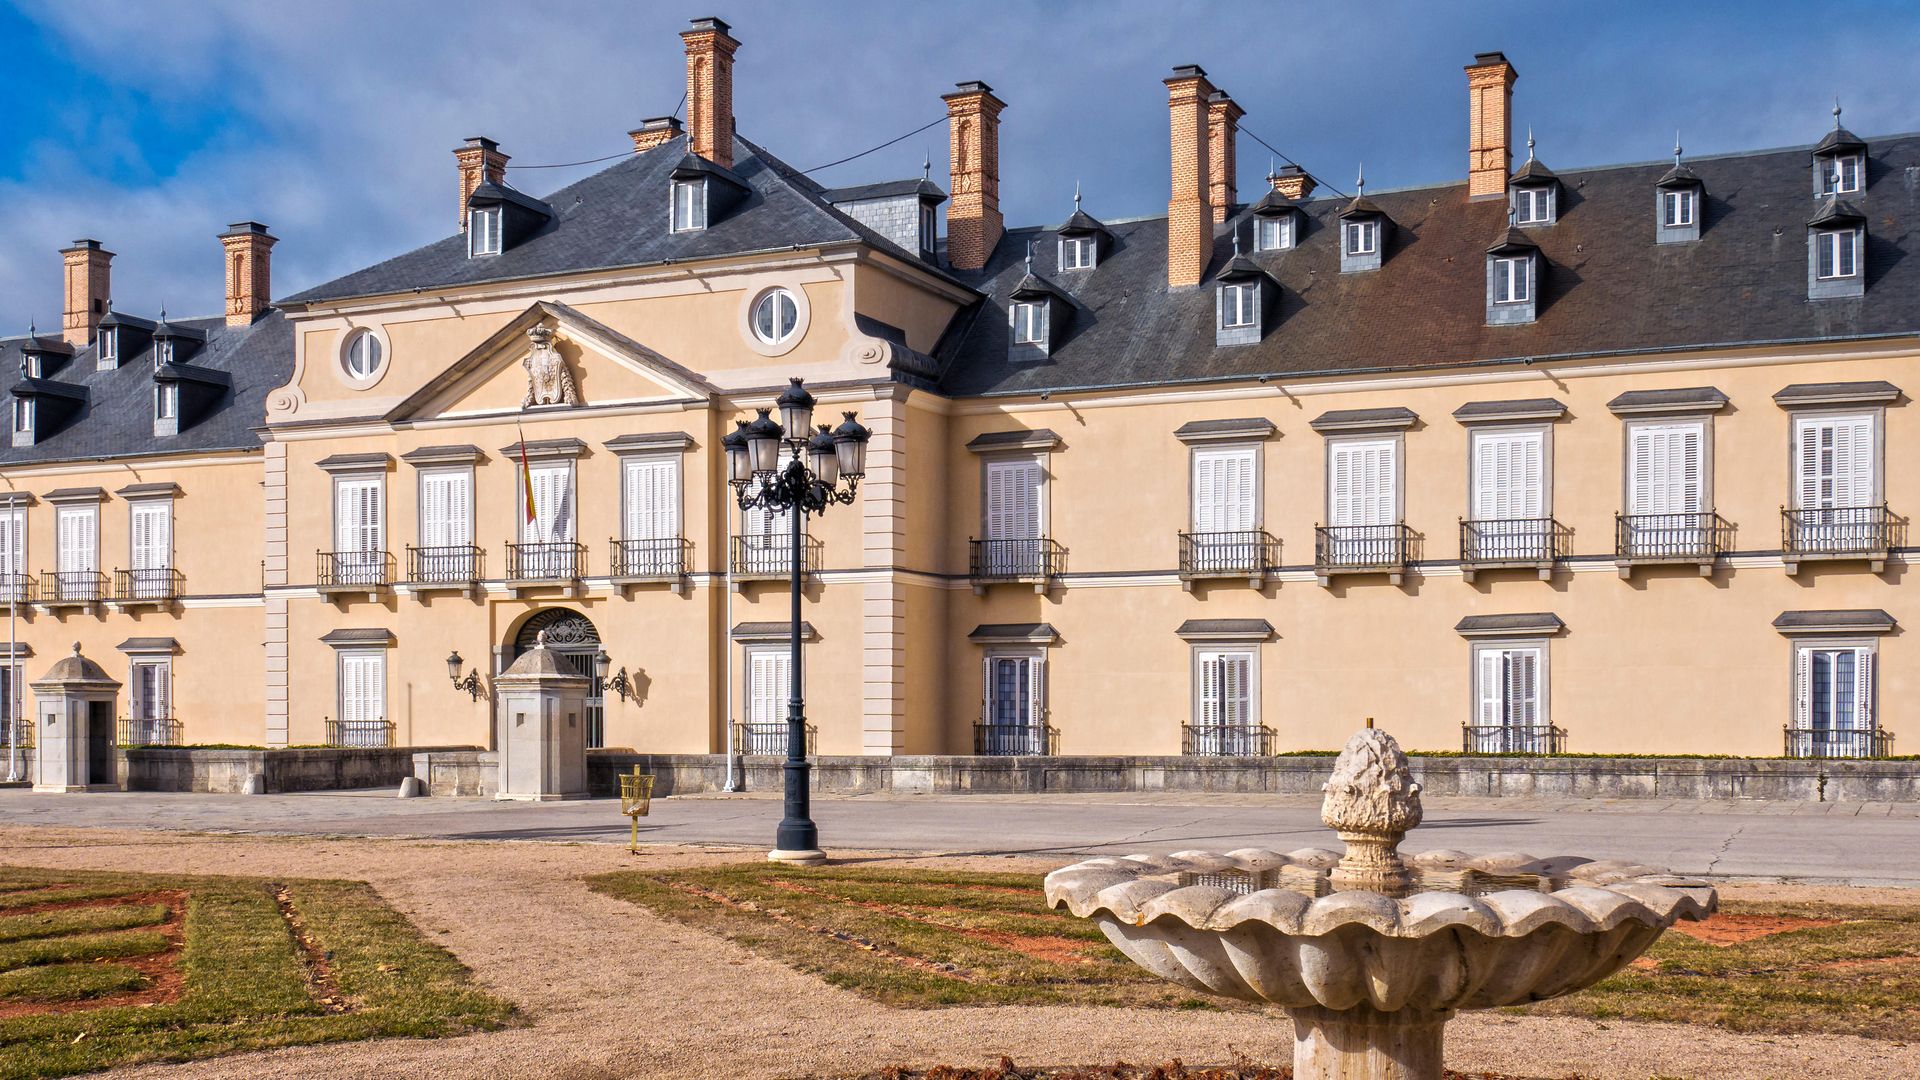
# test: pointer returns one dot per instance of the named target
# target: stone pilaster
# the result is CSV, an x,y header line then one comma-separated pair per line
x,y
883,604
274,575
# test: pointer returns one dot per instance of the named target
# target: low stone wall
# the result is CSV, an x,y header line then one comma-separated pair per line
x,y
475,773
187,768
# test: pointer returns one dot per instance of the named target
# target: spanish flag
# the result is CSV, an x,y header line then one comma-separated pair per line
x,y
526,478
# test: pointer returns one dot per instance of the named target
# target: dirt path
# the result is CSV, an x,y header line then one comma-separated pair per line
x,y
611,991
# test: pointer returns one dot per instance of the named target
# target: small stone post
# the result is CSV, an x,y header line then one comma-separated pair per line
x,y
73,726
1371,801
541,727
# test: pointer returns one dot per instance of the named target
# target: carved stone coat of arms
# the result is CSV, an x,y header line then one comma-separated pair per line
x,y
548,380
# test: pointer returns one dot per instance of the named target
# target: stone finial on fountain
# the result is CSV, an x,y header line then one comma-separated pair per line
x,y
1371,802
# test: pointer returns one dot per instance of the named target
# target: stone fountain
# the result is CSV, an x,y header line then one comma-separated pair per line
x,y
1371,953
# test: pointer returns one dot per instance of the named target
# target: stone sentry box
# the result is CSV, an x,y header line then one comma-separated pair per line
x,y
541,727
73,727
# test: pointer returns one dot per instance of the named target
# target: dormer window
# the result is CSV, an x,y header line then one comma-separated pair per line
x,y
1273,233
1245,296
1838,254
1363,238
1533,206
166,401
929,222
1836,241
162,352
1239,306
1677,209
689,205
1030,323
31,366
23,410
1840,175
1513,279
1078,252
109,354
1513,269
483,231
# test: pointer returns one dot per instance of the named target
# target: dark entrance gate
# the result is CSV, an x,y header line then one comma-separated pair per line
x,y
575,638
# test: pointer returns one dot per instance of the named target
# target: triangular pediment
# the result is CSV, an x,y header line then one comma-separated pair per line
x,y
597,365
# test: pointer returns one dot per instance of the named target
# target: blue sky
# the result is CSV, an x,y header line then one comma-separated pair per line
x,y
151,125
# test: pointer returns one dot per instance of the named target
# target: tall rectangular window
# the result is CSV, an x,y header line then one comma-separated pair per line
x,y
689,205
551,520
152,691
769,685
12,694
1224,717
1510,687
446,527
1509,475
23,410
13,555
1225,498
929,221
1239,305
1362,482
652,498
1013,705
1676,208
1834,463
150,528
1839,253
1835,691
1029,324
109,346
483,231
359,526
1513,280
1014,509
1666,470
79,534
363,698
166,401
1363,237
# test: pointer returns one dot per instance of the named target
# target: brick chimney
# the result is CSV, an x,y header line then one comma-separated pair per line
x,y
653,131
1489,125
248,249
1292,182
710,90
88,279
481,162
974,224
1189,218
1223,118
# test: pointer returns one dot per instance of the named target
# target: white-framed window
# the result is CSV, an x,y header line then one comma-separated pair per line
x,y
359,529
32,366
1840,175
163,352
1030,323
1077,252
13,554
12,681
689,205
1833,688
1533,205
446,524
79,535
483,231
1513,279
1363,482
166,401
1676,208
1273,233
1510,695
769,686
1226,489
766,540
1239,305
775,315
363,697
1363,237
1015,499
150,539
362,355
652,498
929,225
109,346
1226,701
552,520
23,415
150,689
1509,474
1835,462
1013,703
1666,468
1838,251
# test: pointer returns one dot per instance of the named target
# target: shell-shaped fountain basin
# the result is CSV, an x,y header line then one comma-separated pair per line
x,y
1465,933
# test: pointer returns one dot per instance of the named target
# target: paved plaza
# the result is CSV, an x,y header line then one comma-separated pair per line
x,y
1824,843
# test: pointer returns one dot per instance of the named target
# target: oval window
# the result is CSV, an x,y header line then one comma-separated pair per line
x,y
774,316
362,357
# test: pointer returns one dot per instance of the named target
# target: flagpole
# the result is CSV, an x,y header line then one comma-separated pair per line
x,y
13,679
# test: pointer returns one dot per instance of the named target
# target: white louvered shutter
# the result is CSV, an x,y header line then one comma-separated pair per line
x,y
1863,690
1211,693
553,505
1363,483
1509,475
446,510
771,673
1013,500
986,690
1666,469
12,541
1037,701
1523,687
652,499
1803,689
1835,462
358,516
77,549
1223,490
1492,697
152,527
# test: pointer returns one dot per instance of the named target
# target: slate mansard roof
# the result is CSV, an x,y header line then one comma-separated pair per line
x,y
1605,286
116,418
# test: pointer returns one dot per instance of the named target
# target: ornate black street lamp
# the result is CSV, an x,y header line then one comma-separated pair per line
x,y
789,466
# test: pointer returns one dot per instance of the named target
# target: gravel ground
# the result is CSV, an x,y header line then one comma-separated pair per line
x,y
611,991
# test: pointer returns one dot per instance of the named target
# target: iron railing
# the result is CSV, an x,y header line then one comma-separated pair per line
x,y
150,584
1513,541
360,733
71,587
767,738
1841,530
1838,742
450,564
1242,553
22,734
1008,740
1226,740
1035,559
1361,547
666,557
16,588
768,557
1507,739
1681,537
548,560
353,569
147,731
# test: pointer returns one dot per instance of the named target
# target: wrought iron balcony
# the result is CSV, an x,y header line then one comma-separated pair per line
x,y
1840,532
359,733
22,733
1247,553
549,561
1226,740
1013,740
149,585
1362,549
1495,543
1037,560
665,559
16,588
451,566
71,588
353,571
1692,537
767,739
770,558
1838,743
1500,739
148,731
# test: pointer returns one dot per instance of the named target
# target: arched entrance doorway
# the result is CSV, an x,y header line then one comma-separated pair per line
x,y
575,638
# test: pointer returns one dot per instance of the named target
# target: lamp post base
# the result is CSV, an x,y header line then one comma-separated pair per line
x,y
805,857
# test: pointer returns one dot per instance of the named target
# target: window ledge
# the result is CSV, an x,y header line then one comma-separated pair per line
x,y
1861,621
1805,395
1343,421
1476,626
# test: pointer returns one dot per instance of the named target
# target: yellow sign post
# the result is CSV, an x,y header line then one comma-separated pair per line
x,y
636,798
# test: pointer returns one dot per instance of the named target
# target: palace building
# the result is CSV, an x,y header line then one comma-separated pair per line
x,y
1595,461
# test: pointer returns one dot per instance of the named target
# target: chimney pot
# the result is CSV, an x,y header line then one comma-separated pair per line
x,y
1189,217
88,272
710,51
974,225
1292,182
1490,80
248,248
481,162
653,131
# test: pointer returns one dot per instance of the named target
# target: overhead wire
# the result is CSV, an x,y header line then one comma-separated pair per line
x,y
1244,130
